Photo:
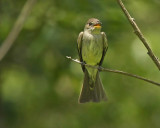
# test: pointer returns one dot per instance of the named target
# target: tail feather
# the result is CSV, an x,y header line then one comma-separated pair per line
x,y
95,94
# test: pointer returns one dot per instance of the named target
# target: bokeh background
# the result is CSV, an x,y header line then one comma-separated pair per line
x,y
39,87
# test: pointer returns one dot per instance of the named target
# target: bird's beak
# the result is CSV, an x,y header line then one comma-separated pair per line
x,y
97,25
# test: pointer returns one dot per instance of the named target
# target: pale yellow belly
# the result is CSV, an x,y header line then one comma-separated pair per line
x,y
92,50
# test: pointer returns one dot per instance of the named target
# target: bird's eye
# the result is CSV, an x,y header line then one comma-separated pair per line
x,y
90,23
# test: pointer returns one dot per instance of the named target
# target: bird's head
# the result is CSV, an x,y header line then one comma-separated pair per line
x,y
93,25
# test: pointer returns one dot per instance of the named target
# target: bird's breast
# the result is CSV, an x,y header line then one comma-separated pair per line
x,y
92,48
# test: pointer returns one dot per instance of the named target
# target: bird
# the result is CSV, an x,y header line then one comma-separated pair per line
x,y
92,46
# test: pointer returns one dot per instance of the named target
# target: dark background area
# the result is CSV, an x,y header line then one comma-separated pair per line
x,y
39,87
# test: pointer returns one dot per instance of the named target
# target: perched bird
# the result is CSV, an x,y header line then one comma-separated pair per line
x,y
92,47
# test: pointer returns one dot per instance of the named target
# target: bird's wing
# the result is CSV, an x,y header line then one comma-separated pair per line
x,y
79,46
105,47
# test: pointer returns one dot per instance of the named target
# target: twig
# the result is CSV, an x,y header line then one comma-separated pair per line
x,y
6,45
115,71
138,32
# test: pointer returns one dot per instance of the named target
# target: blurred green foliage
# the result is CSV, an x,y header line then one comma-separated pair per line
x,y
39,87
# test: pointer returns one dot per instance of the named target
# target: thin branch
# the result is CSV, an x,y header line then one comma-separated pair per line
x,y
115,71
139,34
8,42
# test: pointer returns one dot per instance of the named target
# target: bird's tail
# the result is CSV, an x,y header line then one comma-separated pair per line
x,y
92,91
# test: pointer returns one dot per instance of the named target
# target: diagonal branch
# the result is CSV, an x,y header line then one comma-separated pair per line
x,y
115,71
139,34
8,42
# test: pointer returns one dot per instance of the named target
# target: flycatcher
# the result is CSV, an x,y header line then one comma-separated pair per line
x,y
92,47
